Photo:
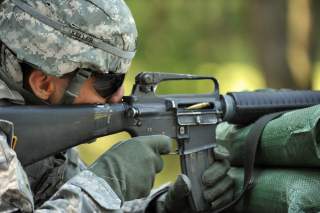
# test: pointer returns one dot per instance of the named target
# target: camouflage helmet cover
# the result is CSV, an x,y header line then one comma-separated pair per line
x,y
59,36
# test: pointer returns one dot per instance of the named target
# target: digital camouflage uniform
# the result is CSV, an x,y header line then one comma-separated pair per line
x,y
59,37
58,183
78,37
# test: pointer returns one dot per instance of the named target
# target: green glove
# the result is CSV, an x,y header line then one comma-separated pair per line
x,y
130,167
219,187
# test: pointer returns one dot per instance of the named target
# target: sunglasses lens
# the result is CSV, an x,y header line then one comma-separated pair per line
x,y
107,84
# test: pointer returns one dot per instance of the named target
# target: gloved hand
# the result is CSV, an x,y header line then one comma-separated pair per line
x,y
130,167
219,187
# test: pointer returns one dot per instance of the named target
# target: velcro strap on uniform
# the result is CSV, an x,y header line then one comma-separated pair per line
x,y
74,33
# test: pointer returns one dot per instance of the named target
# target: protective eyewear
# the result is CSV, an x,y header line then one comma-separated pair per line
x,y
107,84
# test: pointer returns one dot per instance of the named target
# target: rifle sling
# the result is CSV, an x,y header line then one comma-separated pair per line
x,y
252,143
251,146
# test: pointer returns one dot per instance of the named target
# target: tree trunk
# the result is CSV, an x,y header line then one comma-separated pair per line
x,y
282,35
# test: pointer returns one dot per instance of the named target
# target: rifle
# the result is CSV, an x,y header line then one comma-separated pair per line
x,y
191,119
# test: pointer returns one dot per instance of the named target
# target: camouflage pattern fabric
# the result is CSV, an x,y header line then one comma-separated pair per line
x,y
48,175
15,192
58,37
80,191
83,193
11,95
56,52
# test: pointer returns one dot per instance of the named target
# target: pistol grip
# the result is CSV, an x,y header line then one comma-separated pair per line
x,y
193,165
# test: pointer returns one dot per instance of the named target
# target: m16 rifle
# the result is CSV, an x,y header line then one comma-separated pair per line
x,y
190,119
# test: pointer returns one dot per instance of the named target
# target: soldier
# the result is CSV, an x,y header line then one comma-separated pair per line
x,y
77,52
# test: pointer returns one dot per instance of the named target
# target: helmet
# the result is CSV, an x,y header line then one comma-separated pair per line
x,y
59,37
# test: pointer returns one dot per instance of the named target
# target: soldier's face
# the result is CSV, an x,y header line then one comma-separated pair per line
x,y
51,89
88,95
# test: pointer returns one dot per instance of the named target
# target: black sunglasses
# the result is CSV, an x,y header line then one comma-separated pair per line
x,y
107,84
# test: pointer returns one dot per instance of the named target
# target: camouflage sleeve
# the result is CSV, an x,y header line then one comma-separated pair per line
x,y
143,205
148,204
15,193
83,193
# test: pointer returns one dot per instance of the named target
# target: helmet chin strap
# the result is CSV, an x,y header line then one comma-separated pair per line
x,y
72,91
75,84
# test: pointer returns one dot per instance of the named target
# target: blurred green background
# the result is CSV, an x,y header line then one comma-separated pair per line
x,y
246,45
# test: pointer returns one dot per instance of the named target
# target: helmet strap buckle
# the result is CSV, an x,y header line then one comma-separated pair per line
x,y
74,87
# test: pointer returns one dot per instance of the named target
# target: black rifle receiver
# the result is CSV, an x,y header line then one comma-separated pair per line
x,y
190,119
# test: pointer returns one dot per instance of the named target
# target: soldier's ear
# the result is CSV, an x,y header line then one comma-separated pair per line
x,y
41,84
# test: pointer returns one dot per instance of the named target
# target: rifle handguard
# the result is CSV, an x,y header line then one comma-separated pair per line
x,y
246,107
